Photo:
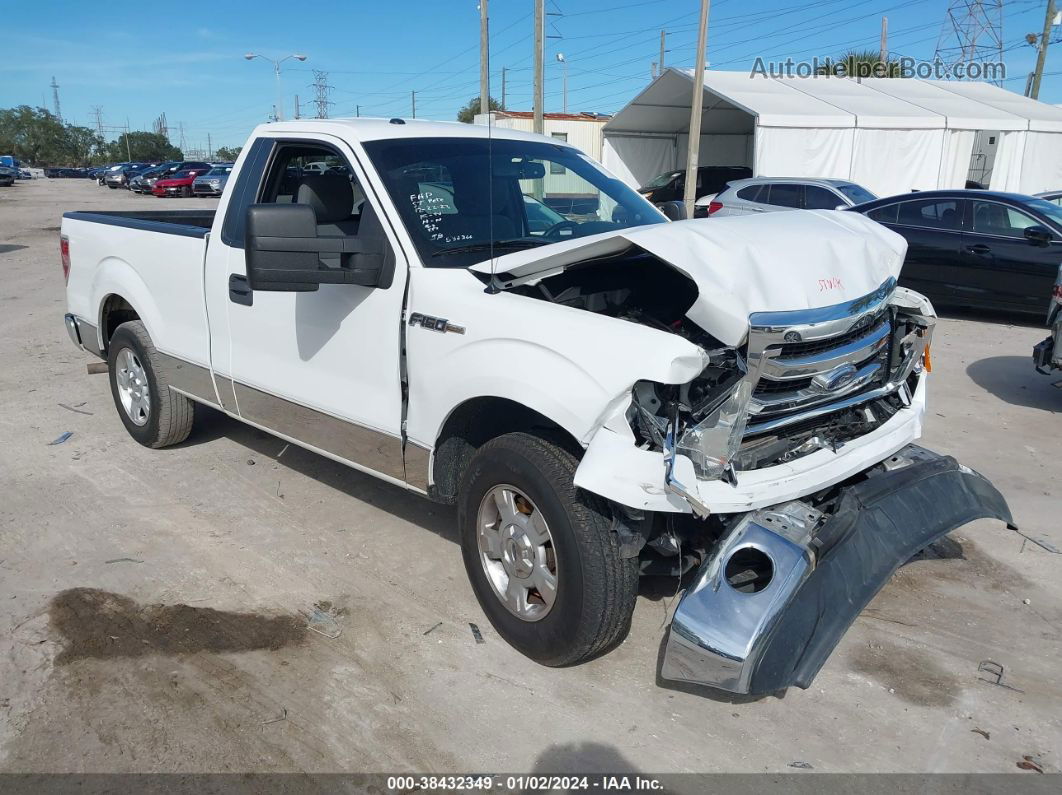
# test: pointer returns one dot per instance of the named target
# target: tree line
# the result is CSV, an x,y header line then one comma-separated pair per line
x,y
38,137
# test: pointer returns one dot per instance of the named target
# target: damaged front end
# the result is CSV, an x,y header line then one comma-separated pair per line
x,y
803,381
783,584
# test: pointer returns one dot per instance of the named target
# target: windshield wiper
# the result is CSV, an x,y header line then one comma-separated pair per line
x,y
497,244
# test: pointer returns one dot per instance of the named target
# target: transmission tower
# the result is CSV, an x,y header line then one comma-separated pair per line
x,y
161,127
972,33
55,98
321,89
97,111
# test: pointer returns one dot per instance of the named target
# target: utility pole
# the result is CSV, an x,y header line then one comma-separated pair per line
x,y
97,111
180,128
413,98
210,148
652,70
540,64
1041,58
298,111
693,154
883,50
564,63
357,111
660,63
128,148
504,70
55,99
484,58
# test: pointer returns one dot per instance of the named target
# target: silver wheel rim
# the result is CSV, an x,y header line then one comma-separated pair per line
x,y
517,552
132,383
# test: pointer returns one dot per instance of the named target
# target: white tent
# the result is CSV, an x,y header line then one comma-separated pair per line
x,y
890,135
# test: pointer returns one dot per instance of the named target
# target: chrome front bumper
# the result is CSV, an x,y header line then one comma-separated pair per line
x,y
812,573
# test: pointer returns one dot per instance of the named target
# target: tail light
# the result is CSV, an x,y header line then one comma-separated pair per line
x,y
1057,293
64,255
714,207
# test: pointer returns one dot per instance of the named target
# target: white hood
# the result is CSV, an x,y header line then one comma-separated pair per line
x,y
773,262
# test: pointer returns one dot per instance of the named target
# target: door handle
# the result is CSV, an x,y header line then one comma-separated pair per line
x,y
979,250
240,290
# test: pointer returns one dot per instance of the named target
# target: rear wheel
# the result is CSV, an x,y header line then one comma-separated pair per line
x,y
154,414
541,555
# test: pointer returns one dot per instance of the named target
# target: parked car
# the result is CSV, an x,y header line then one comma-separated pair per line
x,y
119,177
7,176
180,183
25,173
982,249
1053,196
594,398
1047,355
144,181
670,186
213,182
770,194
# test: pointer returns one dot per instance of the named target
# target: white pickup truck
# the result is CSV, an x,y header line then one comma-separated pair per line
x,y
604,394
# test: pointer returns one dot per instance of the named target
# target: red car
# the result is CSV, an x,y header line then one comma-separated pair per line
x,y
180,184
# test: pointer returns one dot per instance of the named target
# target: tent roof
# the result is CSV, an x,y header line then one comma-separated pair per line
x,y
736,101
1040,116
962,113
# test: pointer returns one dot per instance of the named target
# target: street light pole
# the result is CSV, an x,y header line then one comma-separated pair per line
x,y
560,57
276,73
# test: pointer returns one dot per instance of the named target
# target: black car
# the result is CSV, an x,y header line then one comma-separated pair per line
x,y
976,248
669,186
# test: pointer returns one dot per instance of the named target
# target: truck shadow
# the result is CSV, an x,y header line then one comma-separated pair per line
x,y
211,424
1014,380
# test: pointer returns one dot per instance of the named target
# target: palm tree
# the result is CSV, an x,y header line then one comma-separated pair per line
x,y
861,63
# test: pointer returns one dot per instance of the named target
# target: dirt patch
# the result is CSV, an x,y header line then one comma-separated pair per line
x,y
95,623
911,673
962,562
9,247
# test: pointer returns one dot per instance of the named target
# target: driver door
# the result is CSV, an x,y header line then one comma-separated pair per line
x,y
321,367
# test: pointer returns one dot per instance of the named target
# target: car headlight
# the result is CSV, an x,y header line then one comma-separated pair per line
x,y
713,442
704,419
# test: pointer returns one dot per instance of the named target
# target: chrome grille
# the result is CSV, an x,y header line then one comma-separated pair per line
x,y
808,360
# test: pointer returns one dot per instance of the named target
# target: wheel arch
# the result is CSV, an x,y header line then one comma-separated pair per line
x,y
476,421
123,296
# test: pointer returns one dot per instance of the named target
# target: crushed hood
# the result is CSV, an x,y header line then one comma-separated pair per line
x,y
775,262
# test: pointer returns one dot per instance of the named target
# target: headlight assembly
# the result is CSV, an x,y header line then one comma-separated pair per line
x,y
713,442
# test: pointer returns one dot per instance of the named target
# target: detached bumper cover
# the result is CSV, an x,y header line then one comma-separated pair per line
x,y
823,573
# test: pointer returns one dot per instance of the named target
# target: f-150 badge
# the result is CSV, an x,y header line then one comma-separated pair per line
x,y
439,324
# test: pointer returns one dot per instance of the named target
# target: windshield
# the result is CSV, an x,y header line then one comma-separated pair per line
x,y
220,171
456,214
661,180
857,193
185,174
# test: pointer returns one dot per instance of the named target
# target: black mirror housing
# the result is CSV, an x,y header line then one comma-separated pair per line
x,y
283,252
1038,235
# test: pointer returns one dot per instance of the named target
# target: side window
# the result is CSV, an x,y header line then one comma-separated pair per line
x,y
749,192
784,194
931,213
990,218
884,215
244,192
554,167
817,198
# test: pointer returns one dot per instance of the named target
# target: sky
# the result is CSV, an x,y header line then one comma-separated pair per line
x,y
137,60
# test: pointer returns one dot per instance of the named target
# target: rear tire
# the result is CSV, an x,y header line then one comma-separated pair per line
x,y
154,414
593,588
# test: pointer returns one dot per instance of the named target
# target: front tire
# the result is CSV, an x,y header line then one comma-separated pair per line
x,y
154,414
542,558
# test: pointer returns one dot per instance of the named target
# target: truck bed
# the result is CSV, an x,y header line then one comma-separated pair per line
x,y
189,223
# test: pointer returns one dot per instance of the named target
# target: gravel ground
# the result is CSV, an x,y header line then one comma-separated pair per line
x,y
152,603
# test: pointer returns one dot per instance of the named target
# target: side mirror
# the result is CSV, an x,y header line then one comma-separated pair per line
x,y
1038,235
283,252
675,211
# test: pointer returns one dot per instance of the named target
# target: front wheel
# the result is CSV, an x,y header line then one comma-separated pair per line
x,y
543,560
154,414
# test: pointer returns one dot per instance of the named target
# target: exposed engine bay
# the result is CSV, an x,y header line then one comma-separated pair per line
x,y
794,386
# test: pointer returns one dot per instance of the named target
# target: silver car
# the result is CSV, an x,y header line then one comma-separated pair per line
x,y
768,194
213,182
